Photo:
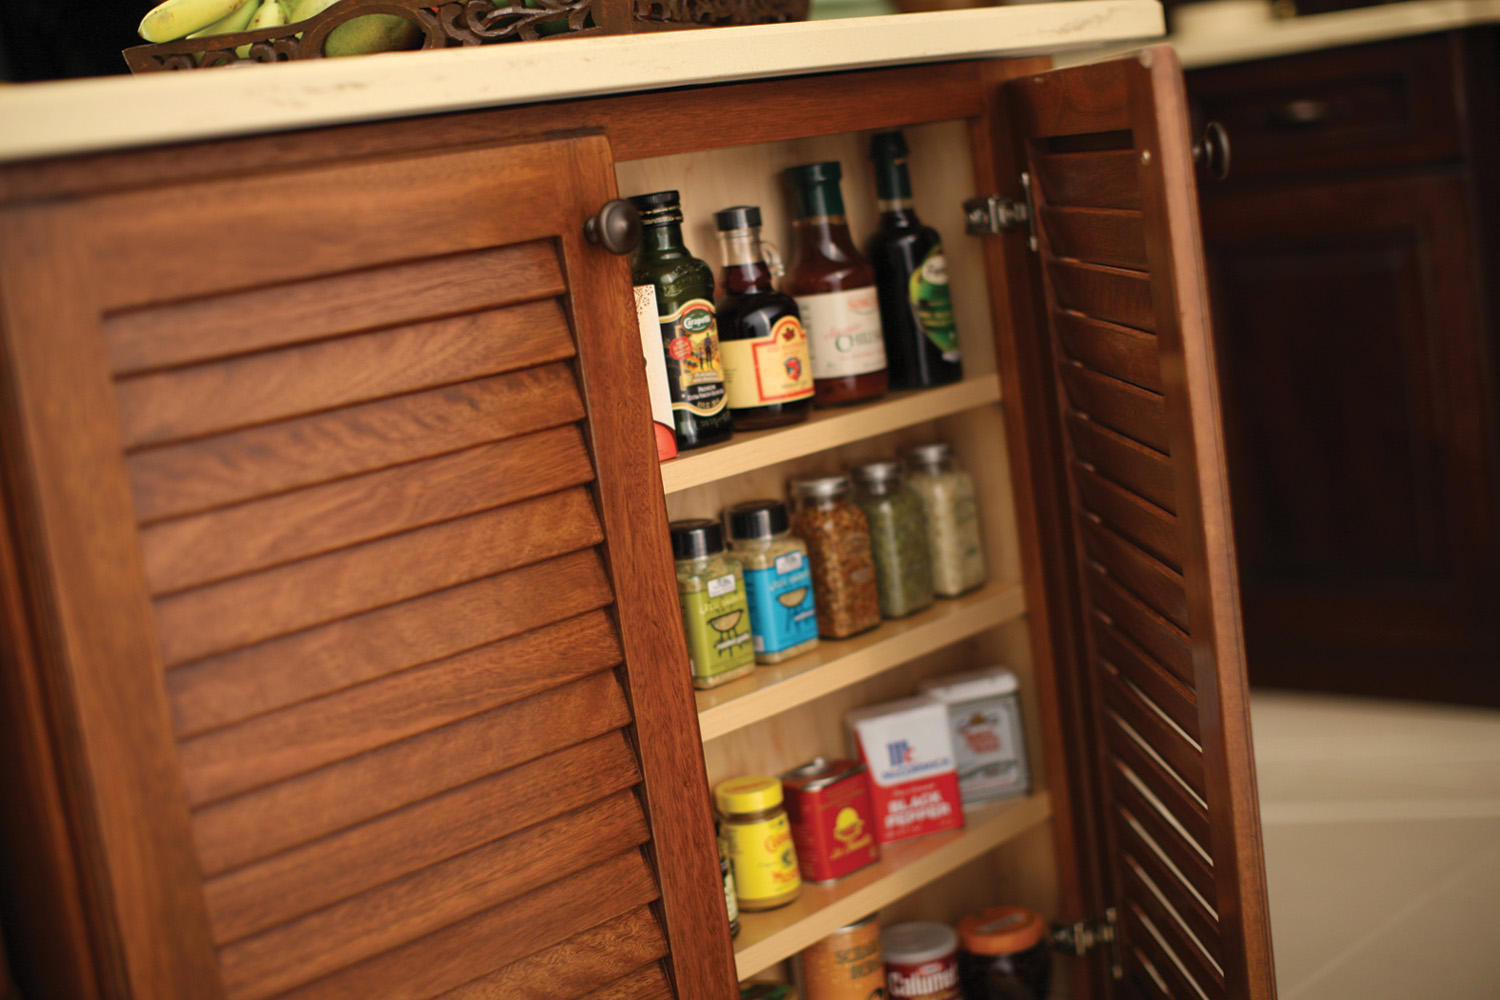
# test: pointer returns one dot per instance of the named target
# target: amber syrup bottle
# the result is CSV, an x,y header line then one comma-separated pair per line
x,y
916,312
835,291
684,289
767,369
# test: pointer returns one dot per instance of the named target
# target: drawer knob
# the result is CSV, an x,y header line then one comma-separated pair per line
x,y
1212,151
617,227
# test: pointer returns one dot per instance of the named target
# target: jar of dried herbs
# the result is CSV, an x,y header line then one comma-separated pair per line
x,y
898,538
715,613
778,579
838,548
953,539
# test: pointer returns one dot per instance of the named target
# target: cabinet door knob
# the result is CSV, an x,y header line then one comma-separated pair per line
x,y
1212,151
617,227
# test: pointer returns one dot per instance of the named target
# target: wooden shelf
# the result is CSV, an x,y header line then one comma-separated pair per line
x,y
770,937
837,663
825,429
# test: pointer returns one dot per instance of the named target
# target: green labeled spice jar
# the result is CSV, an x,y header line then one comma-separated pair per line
x,y
838,546
948,502
715,613
898,539
778,579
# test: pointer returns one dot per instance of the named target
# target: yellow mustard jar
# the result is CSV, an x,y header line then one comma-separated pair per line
x,y
759,841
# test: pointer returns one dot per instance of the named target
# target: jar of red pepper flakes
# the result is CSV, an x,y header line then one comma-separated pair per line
x,y
837,536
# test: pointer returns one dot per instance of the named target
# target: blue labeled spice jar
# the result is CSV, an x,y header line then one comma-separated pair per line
x,y
778,579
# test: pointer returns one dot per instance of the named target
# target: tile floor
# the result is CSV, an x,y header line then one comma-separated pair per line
x,y
1382,836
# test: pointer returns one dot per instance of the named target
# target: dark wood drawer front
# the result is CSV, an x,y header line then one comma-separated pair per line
x,y
1361,107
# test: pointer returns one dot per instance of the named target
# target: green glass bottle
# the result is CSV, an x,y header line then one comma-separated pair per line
x,y
683,287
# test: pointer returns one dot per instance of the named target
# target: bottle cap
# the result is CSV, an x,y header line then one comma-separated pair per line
x,y
658,208
750,793
817,189
738,217
935,453
757,519
696,538
878,473
1001,930
819,486
917,942
888,146
815,173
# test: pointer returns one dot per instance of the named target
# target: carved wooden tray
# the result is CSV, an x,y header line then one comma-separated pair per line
x,y
463,22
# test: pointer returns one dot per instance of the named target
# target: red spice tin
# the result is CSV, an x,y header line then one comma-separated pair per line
x,y
828,804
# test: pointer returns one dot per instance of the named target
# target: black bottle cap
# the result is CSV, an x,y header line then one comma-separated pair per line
x,y
658,207
757,519
738,217
696,538
888,146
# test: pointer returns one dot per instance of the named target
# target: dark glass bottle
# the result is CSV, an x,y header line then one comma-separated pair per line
x,y
684,289
835,291
916,313
767,369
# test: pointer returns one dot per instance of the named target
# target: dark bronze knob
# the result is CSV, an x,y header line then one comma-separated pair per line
x,y
617,227
1212,151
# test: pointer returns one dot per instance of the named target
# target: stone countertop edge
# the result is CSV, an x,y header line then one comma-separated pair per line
x,y
93,115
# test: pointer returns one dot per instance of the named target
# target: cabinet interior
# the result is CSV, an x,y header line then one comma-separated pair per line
x,y
787,714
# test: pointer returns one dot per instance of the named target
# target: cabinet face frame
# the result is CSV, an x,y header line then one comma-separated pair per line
x,y
639,126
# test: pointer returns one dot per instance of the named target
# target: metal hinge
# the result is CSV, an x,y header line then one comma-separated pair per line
x,y
1085,936
994,214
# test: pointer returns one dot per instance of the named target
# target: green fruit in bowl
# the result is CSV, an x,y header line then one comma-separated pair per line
x,y
361,35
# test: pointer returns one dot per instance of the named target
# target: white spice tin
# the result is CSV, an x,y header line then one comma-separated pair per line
x,y
989,744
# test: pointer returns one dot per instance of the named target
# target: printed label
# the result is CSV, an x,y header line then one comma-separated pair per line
x,y
935,980
912,778
843,332
930,301
718,630
763,858
781,604
690,338
776,368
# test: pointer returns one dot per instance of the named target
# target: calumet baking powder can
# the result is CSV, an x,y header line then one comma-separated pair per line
x,y
832,816
846,965
921,961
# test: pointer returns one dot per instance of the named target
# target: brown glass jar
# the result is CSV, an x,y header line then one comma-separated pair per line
x,y
834,287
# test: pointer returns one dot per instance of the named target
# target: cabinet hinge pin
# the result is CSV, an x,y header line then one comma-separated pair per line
x,y
1084,936
994,214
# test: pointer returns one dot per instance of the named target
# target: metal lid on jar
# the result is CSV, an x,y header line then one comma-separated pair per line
x,y
738,217
747,794
820,772
819,486
658,208
935,453
696,538
918,941
878,473
1001,930
757,519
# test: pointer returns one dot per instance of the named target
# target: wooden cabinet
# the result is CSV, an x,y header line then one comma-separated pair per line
x,y
343,653
1351,260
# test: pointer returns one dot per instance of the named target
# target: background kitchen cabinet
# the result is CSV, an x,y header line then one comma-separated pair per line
x,y
344,654
1353,270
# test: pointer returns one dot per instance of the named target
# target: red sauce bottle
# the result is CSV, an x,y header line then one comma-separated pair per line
x,y
834,287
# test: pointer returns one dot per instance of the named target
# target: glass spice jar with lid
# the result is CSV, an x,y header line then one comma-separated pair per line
x,y
838,547
898,539
953,540
715,612
758,838
778,579
1004,955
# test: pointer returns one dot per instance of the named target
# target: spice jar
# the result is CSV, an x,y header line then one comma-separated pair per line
x,y
947,495
715,613
1003,954
846,965
758,838
898,539
778,580
838,547
921,961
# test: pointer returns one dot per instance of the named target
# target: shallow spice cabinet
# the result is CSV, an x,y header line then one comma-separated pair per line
x,y
342,649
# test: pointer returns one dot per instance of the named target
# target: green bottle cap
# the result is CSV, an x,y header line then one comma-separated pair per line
x,y
888,150
816,187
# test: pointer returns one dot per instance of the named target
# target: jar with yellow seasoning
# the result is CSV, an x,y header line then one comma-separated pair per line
x,y
759,841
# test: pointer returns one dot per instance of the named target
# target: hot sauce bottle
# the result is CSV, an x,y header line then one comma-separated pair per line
x,y
684,289
767,369
835,291
916,312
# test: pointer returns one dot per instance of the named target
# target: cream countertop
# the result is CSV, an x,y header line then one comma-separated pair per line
x,y
45,119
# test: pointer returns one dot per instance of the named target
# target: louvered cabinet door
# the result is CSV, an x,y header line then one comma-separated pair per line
x,y
353,573
1123,372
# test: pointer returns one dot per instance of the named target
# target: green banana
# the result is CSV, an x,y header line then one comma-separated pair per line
x,y
236,20
270,14
175,19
